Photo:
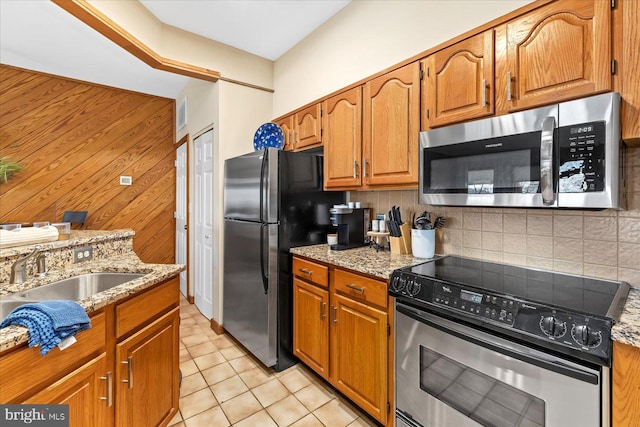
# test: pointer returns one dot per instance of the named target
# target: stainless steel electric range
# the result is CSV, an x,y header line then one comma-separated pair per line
x,y
486,344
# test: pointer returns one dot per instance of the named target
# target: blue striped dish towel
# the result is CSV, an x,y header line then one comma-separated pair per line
x,y
49,322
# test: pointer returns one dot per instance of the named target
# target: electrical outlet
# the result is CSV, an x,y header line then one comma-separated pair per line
x,y
82,254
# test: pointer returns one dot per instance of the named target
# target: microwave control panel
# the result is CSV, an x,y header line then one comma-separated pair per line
x,y
582,157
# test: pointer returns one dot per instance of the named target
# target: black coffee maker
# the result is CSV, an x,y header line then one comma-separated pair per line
x,y
352,227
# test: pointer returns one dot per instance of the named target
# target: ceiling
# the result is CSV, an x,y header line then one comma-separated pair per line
x,y
267,28
38,35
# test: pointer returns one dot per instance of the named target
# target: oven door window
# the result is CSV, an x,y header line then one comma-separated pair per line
x,y
508,165
486,400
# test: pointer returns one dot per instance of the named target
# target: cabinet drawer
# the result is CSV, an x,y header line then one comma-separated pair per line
x,y
24,370
311,271
361,288
144,307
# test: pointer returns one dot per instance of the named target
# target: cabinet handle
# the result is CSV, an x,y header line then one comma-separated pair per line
x,y
305,272
484,92
364,171
129,363
295,138
323,305
355,288
355,168
289,141
335,314
109,397
509,86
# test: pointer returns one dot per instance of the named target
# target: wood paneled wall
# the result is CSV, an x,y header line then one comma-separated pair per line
x,y
74,140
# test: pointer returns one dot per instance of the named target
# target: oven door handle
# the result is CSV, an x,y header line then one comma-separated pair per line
x,y
501,345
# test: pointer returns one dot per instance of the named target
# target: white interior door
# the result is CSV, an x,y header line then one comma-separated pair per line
x,y
181,213
203,236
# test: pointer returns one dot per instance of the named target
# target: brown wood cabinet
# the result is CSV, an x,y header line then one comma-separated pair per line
x,y
85,390
359,354
89,374
626,385
458,84
342,124
147,374
311,330
626,45
557,52
307,131
343,333
286,124
391,123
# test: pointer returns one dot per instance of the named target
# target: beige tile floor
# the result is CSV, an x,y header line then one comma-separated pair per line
x,y
224,386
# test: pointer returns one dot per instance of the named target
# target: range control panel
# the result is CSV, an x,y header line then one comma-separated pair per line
x,y
582,157
499,309
587,335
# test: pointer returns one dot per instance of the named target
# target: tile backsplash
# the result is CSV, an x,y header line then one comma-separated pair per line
x,y
604,244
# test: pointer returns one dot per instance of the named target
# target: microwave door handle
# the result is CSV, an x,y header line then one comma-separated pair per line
x,y
546,161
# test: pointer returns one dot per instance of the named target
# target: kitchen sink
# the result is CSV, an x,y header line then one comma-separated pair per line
x,y
73,288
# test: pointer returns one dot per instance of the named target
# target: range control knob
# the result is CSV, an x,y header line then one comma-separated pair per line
x,y
553,327
394,283
586,336
400,284
413,288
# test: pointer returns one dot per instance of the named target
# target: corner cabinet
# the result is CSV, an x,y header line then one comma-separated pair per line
x,y
342,122
557,52
458,84
391,123
341,331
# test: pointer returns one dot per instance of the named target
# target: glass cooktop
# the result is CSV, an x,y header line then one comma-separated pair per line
x,y
596,297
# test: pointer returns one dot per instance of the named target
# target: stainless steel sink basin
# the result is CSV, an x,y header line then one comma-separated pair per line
x,y
73,288
9,303
79,287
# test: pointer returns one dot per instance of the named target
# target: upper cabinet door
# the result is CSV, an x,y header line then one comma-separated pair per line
x,y
308,127
557,52
286,124
459,82
342,123
391,123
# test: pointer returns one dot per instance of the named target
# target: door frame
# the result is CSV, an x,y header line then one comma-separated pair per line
x,y
186,140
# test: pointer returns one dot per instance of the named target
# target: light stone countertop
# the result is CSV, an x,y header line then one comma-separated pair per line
x,y
627,330
381,264
117,255
362,260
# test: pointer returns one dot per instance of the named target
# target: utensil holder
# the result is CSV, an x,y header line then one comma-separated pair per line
x,y
424,243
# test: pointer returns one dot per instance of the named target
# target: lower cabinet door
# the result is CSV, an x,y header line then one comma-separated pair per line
x,y
85,390
147,375
359,354
310,326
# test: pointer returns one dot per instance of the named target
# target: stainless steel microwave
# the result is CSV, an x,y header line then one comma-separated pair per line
x,y
567,155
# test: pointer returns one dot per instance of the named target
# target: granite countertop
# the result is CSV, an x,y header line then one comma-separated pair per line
x,y
627,330
362,260
121,260
381,264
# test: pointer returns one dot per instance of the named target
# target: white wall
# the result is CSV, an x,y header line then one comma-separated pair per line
x,y
368,36
235,112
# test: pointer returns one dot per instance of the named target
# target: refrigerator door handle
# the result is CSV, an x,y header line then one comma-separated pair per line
x,y
262,167
265,278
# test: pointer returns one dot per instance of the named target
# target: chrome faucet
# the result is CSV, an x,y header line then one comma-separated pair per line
x,y
19,267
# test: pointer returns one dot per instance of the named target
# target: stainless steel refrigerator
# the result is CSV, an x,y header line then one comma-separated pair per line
x,y
273,200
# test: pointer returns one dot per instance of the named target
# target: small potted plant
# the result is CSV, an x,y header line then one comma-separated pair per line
x,y
8,167
423,235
